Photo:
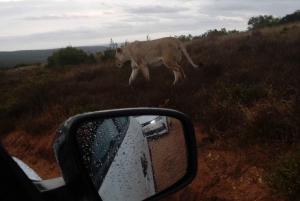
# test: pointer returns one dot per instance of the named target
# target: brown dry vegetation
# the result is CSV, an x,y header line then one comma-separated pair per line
x,y
244,102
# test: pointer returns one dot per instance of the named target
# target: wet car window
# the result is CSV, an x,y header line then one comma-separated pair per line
x,y
98,142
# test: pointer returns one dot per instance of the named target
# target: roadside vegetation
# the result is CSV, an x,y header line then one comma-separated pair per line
x,y
284,177
69,56
246,97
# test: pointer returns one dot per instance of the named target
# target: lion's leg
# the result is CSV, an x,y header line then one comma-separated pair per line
x,y
134,73
177,76
182,72
145,70
178,72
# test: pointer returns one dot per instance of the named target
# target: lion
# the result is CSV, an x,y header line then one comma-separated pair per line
x,y
142,54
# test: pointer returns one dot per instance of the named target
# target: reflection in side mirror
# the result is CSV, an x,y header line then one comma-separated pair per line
x,y
132,157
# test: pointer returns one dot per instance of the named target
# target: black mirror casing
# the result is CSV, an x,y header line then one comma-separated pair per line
x,y
71,164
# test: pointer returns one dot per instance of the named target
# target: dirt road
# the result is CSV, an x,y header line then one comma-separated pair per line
x,y
169,156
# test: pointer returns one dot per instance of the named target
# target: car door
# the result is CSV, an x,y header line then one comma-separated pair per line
x,y
130,173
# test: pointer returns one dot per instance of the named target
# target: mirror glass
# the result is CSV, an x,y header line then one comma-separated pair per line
x,y
133,157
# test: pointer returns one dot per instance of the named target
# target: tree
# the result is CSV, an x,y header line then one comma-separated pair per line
x,y
215,32
262,21
125,43
67,56
208,33
112,45
109,53
234,31
92,58
184,38
295,17
148,37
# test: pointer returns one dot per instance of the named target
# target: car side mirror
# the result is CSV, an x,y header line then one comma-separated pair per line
x,y
129,154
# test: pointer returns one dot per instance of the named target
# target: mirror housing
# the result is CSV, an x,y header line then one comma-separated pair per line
x,y
71,164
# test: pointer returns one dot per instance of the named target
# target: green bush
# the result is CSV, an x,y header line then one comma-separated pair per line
x,y
67,56
284,177
184,38
208,33
215,32
262,21
294,17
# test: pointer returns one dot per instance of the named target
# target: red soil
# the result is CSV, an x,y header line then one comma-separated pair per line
x,y
222,175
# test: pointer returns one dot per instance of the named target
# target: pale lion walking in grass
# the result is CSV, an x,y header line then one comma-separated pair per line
x,y
142,54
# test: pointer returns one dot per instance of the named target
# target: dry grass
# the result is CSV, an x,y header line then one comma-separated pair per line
x,y
247,79
247,94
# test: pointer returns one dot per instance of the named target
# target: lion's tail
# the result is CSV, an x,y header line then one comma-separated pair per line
x,y
182,47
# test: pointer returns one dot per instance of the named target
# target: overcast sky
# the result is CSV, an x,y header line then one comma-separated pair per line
x,y
45,24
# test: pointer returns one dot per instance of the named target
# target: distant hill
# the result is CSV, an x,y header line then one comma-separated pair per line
x,y
10,59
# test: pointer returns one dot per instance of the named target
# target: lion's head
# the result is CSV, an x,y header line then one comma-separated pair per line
x,y
119,57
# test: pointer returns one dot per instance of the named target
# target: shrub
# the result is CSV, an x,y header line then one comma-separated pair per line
x,y
208,33
273,121
109,53
213,70
67,56
262,21
184,38
284,177
37,126
215,32
92,58
295,17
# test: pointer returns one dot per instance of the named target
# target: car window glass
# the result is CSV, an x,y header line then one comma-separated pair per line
x,y
105,138
97,141
121,123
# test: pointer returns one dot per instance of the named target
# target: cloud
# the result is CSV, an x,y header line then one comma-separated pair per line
x,y
233,9
83,22
122,26
155,9
56,17
130,28
246,8
141,19
239,19
176,16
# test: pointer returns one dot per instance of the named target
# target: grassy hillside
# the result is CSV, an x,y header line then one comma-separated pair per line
x,y
246,97
10,59
245,77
